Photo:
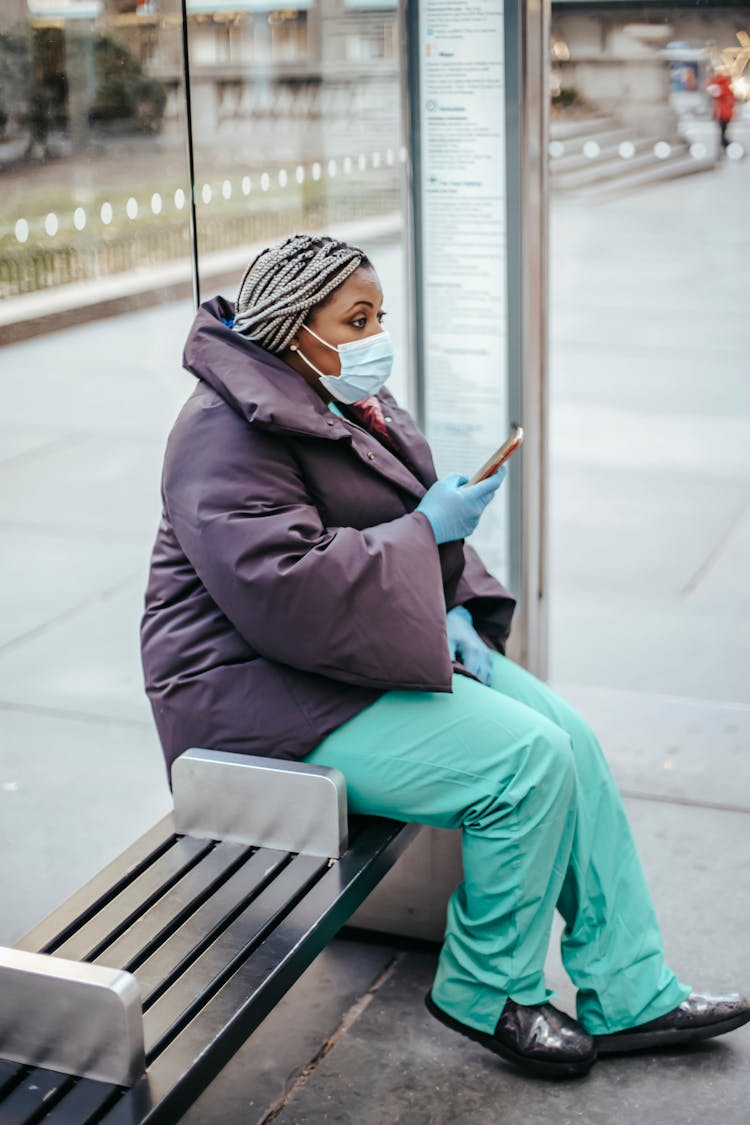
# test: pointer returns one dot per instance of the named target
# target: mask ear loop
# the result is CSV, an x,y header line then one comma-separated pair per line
x,y
301,354
317,337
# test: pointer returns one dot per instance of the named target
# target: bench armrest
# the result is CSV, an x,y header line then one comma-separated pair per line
x,y
70,1016
266,802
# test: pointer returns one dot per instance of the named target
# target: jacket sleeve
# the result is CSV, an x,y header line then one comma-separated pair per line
x,y
488,602
365,607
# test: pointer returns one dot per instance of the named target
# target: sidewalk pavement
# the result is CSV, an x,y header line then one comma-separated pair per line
x,y
649,536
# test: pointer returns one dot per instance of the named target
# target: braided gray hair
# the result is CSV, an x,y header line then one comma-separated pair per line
x,y
284,282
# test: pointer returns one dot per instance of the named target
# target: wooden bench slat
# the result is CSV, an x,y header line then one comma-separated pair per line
x,y
95,935
39,1088
205,1045
87,1099
83,1104
61,922
9,1072
155,925
207,922
193,988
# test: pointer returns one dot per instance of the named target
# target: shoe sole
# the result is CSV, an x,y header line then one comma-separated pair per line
x,y
668,1037
533,1066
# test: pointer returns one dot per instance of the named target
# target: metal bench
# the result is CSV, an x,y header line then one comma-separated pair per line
x,y
123,1004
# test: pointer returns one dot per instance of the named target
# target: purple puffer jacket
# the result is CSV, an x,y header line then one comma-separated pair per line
x,y
292,582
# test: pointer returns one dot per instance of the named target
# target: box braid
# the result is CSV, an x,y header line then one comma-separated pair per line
x,y
285,282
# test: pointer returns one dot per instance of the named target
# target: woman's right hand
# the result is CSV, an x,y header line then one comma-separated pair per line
x,y
454,508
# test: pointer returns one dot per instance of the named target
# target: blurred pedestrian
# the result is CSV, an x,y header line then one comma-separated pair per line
x,y
719,87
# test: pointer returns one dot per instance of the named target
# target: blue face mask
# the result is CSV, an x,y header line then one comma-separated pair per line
x,y
365,366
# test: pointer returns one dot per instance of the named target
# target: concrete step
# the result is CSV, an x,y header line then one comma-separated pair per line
x,y
615,168
561,164
560,130
660,171
602,137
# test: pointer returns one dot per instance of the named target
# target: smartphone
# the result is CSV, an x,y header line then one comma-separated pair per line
x,y
500,456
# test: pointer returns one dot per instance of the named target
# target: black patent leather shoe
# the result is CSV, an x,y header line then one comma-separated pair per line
x,y
697,1017
540,1039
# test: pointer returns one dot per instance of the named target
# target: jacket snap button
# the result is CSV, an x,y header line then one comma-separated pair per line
x,y
388,418
329,421
371,455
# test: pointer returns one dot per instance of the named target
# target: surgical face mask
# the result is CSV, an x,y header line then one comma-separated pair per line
x,y
365,366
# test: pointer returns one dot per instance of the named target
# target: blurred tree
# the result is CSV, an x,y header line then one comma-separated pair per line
x,y
39,69
15,76
124,93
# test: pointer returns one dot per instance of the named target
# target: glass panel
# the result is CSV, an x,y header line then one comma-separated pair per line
x,y
93,219
92,143
297,127
650,415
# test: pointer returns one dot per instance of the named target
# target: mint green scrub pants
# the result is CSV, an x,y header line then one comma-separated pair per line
x,y
543,827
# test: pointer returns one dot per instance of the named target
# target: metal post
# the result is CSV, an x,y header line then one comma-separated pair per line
x,y
190,154
527,122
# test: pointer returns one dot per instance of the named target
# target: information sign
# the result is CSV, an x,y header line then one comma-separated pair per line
x,y
462,201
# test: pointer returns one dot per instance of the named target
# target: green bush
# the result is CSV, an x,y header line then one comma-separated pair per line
x,y
124,93
567,97
15,76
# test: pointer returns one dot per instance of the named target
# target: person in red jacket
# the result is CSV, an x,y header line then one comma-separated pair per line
x,y
720,89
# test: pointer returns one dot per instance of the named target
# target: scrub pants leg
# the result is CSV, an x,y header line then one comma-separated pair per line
x,y
522,775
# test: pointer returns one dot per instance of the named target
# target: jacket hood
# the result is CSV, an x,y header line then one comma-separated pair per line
x,y
268,393
253,381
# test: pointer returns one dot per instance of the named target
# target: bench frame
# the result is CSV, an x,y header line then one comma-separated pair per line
x,y
293,909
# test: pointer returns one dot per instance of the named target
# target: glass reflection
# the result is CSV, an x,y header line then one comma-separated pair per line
x,y
92,141
650,415
297,127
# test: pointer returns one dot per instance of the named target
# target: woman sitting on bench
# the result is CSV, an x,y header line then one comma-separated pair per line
x,y
311,596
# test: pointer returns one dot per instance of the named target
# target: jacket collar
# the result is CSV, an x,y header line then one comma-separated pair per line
x,y
269,394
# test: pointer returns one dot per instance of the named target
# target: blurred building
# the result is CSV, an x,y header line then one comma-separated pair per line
x,y
634,61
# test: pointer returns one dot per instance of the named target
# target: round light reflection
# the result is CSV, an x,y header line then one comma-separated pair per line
x,y
246,185
332,168
662,150
283,178
316,171
131,208
591,149
556,148
626,150
226,189
299,175
106,213
179,199
79,218
206,193
51,224
347,164
22,230
265,182
156,203
735,151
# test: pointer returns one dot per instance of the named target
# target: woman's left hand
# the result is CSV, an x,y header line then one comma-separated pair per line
x,y
466,645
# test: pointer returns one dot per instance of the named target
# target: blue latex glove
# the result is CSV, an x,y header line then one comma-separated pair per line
x,y
466,645
453,507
